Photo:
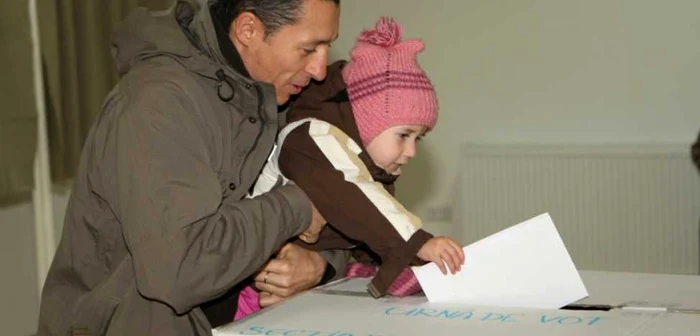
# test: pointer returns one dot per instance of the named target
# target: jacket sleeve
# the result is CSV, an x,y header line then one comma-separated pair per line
x,y
189,244
325,163
337,263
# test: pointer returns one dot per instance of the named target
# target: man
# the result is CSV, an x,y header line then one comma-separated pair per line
x,y
158,224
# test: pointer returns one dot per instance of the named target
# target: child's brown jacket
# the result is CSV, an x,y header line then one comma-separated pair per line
x,y
346,186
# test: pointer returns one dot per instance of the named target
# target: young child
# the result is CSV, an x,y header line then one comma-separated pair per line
x,y
345,144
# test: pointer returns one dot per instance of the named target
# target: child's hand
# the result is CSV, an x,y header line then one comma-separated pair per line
x,y
443,250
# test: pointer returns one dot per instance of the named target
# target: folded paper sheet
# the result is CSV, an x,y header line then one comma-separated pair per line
x,y
526,265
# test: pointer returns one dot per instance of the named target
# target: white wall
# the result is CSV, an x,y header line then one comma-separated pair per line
x,y
18,283
543,71
19,310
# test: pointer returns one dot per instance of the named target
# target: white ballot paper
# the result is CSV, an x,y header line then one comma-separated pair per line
x,y
526,266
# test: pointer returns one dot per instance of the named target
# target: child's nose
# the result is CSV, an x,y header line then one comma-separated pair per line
x,y
410,150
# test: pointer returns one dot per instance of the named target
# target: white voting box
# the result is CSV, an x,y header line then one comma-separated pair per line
x,y
318,314
616,290
345,309
642,290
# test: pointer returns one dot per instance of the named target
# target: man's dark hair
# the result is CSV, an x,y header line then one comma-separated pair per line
x,y
274,14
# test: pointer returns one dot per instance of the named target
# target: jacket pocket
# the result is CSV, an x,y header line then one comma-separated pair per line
x,y
93,316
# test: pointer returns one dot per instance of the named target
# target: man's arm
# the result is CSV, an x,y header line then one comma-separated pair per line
x,y
337,263
188,244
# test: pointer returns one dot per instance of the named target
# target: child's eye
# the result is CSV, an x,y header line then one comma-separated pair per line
x,y
404,135
419,138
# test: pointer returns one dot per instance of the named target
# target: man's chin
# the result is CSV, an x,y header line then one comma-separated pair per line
x,y
281,101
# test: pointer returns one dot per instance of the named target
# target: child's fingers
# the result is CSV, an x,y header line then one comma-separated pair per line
x,y
441,265
450,260
460,254
450,264
456,257
457,252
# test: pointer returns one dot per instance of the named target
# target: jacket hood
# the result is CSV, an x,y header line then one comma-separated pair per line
x,y
181,32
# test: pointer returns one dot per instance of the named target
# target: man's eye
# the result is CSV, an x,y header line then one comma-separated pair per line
x,y
309,51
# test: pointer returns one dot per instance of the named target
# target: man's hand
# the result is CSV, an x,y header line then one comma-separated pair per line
x,y
310,236
294,270
267,299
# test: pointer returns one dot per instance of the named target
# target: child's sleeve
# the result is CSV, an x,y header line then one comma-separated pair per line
x,y
325,163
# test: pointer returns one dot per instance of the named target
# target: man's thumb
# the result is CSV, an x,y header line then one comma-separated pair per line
x,y
284,250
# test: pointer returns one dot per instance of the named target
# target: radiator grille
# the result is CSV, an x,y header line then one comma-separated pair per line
x,y
618,209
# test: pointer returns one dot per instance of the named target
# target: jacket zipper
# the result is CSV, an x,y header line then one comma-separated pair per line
x,y
260,129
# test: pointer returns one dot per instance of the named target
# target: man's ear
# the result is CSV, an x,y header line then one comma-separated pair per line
x,y
246,28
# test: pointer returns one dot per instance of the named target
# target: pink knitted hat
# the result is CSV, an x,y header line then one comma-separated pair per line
x,y
385,84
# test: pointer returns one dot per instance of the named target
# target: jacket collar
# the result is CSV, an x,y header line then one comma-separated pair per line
x,y
196,22
228,50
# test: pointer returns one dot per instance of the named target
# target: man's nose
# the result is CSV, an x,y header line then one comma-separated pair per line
x,y
317,66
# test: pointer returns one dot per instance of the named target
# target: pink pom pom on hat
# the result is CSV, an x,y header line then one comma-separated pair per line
x,y
385,84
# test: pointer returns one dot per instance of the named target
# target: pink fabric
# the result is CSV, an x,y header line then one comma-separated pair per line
x,y
385,84
406,284
248,303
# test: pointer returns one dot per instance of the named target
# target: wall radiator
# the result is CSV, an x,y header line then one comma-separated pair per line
x,y
617,209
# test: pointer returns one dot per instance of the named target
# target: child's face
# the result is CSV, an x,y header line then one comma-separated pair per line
x,y
394,147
